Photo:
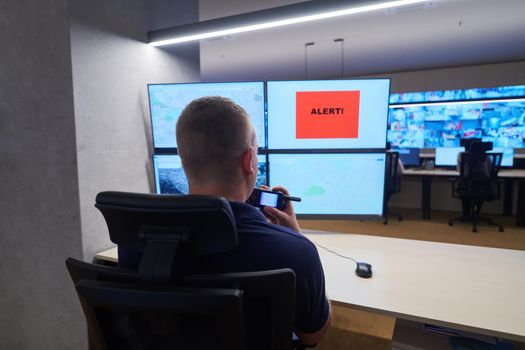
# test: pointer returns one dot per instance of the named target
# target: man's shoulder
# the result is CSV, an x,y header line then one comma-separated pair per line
x,y
254,230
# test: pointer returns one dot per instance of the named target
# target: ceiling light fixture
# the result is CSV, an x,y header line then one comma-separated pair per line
x,y
270,18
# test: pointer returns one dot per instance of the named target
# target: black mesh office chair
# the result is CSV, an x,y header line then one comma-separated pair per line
x,y
477,183
163,305
392,183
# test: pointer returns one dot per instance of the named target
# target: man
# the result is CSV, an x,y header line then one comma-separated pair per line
x,y
218,148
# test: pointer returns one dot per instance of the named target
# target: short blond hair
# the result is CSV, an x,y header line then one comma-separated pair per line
x,y
212,133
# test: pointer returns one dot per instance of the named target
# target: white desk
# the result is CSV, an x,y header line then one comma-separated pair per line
x,y
464,287
509,175
503,173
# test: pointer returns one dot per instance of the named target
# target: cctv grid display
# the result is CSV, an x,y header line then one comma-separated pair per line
x,y
315,164
437,119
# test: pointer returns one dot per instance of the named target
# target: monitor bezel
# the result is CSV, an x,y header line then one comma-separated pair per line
x,y
171,150
370,217
327,80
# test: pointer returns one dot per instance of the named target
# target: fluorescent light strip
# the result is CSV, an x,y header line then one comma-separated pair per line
x,y
430,104
285,22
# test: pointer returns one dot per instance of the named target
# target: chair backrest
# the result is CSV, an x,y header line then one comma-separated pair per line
x,y
123,314
249,310
168,229
391,175
171,230
478,177
468,142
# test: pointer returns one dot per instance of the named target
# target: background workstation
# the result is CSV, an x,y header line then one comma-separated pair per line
x,y
74,114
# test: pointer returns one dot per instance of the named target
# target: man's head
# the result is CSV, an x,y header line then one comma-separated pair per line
x,y
217,144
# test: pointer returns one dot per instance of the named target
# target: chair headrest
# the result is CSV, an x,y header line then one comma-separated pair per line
x,y
480,147
206,222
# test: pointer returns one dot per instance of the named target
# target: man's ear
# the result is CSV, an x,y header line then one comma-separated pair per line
x,y
247,161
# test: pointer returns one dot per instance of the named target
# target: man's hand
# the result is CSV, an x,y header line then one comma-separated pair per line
x,y
284,217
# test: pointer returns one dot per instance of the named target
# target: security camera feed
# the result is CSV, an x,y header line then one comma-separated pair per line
x,y
168,100
171,179
169,175
459,95
327,114
329,183
442,120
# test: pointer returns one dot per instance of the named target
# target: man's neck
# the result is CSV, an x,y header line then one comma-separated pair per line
x,y
232,194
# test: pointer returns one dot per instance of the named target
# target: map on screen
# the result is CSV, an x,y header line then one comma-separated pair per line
x,y
171,179
340,184
168,100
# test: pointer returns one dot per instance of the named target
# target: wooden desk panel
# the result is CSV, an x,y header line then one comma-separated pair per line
x,y
464,287
469,288
509,175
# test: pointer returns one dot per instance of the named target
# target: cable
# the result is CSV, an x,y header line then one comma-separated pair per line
x,y
335,253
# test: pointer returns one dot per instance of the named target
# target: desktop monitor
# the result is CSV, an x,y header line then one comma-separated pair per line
x,y
332,185
170,177
168,100
448,156
327,114
409,156
507,160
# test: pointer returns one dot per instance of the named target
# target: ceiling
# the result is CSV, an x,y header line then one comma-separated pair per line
x,y
441,33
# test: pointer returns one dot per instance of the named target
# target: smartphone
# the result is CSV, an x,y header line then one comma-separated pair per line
x,y
266,198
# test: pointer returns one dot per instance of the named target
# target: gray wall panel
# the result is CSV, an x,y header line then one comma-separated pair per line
x,y
39,199
111,67
73,77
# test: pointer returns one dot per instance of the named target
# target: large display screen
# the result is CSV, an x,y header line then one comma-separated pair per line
x,y
441,118
168,100
332,184
327,114
171,179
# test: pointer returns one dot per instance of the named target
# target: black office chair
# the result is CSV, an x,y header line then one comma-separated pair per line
x,y
392,183
163,304
477,183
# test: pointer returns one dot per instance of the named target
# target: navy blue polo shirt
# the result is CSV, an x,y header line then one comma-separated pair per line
x,y
265,246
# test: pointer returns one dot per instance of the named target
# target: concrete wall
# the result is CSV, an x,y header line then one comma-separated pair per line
x,y
112,66
39,198
73,121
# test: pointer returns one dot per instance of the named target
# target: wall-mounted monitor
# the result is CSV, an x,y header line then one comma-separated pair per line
x,y
332,185
327,114
168,100
443,118
170,177
448,156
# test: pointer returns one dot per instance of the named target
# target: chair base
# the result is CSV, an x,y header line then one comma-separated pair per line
x,y
388,212
475,221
